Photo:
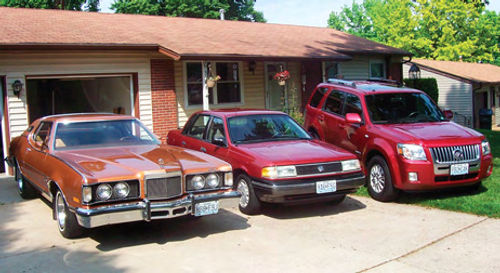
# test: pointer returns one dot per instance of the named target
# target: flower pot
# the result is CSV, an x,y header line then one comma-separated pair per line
x,y
281,82
210,83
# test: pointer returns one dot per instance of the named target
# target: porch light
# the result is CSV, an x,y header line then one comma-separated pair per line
x,y
414,72
17,87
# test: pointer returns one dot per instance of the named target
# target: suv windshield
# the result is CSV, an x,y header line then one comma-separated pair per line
x,y
260,128
402,108
79,135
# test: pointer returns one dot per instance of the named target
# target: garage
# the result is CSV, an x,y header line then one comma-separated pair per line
x,y
50,95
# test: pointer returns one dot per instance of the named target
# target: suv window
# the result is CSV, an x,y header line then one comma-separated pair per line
x,y
352,104
334,102
198,126
318,95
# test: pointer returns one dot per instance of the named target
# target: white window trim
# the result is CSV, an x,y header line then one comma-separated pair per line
x,y
215,104
323,69
383,69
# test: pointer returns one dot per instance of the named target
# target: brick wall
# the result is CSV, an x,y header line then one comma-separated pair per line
x,y
164,102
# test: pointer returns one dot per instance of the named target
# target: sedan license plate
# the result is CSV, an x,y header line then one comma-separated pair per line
x,y
206,208
326,186
459,169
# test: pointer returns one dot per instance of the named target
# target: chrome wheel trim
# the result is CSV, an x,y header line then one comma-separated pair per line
x,y
377,178
20,181
245,193
60,211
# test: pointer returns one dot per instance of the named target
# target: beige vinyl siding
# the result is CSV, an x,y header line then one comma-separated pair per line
x,y
21,64
358,68
454,95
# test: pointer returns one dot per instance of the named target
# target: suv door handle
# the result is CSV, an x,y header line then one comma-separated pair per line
x,y
203,149
340,125
321,117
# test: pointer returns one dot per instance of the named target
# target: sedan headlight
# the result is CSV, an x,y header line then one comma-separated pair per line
x,y
412,151
104,192
279,172
121,190
485,145
212,181
350,165
198,182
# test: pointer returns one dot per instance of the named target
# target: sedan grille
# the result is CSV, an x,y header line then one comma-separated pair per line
x,y
321,168
455,154
164,187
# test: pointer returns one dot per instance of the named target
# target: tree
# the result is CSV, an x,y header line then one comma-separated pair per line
x,y
436,29
242,10
87,5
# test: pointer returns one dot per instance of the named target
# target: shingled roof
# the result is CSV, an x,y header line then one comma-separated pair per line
x,y
475,72
178,37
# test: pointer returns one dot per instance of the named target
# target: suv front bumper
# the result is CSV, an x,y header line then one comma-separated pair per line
x,y
145,210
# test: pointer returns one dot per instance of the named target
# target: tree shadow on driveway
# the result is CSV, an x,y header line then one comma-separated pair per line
x,y
165,231
312,210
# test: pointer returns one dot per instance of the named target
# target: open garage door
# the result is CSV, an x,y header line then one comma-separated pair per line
x,y
79,94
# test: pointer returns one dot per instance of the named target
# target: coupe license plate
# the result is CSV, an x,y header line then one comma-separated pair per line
x,y
326,186
206,208
459,169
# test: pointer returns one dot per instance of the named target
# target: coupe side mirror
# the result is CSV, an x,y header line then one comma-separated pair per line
x,y
448,114
219,141
354,118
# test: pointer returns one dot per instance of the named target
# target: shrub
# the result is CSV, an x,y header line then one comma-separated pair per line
x,y
428,85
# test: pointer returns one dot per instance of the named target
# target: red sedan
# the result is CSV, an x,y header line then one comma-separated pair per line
x,y
274,159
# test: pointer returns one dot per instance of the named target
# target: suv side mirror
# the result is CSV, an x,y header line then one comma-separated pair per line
x,y
219,141
448,114
353,118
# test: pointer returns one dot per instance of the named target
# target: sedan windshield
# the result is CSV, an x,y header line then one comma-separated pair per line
x,y
78,135
402,108
260,128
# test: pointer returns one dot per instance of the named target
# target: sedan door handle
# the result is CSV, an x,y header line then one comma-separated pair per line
x,y
203,149
183,143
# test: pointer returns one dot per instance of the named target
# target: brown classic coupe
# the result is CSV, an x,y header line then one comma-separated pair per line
x,y
102,169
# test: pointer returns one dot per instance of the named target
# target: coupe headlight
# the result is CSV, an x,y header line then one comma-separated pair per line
x,y
279,172
350,165
412,151
87,194
212,181
198,182
121,190
228,179
486,147
104,192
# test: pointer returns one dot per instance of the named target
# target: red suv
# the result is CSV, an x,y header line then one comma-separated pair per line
x,y
405,141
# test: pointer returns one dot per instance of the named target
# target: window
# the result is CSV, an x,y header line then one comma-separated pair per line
x,y
318,95
334,102
352,104
216,130
198,126
42,133
377,69
331,70
227,89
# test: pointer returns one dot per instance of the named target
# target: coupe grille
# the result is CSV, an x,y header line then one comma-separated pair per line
x,y
454,154
321,168
164,188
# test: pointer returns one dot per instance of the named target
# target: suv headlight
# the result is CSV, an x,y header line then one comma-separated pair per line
x,y
485,145
412,151
279,172
350,165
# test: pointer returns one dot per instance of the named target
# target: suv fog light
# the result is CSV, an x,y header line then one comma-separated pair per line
x,y
228,179
412,176
104,192
121,190
489,168
198,182
212,180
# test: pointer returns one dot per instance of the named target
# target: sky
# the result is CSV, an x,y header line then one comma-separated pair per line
x,y
300,12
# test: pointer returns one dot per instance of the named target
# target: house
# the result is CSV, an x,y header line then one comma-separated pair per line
x,y
464,88
153,67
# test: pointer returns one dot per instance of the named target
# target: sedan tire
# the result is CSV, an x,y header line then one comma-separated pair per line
x,y
249,202
379,180
66,220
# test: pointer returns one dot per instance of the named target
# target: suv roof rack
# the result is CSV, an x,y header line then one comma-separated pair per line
x,y
387,81
342,82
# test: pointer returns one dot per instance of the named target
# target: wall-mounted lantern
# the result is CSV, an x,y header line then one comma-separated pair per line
x,y
17,87
414,72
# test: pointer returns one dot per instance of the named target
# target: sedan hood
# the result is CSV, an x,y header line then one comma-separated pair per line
x,y
295,152
431,132
129,162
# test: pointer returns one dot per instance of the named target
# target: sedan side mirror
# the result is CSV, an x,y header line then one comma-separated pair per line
x,y
448,114
353,118
219,141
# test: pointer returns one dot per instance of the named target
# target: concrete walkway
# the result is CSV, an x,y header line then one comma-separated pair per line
x,y
359,235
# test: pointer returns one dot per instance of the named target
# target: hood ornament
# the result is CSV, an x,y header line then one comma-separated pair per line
x,y
161,163
458,155
321,169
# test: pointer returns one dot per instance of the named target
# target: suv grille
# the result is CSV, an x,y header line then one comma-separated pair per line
x,y
455,154
163,188
321,168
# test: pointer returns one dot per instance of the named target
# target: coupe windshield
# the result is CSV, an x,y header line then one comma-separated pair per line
x,y
402,108
260,128
102,134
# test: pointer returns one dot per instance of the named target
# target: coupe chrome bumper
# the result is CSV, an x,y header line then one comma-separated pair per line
x,y
145,210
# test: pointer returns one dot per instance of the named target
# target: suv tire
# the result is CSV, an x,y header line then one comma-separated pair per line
x,y
379,180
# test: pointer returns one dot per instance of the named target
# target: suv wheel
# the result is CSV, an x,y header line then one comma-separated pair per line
x,y
379,182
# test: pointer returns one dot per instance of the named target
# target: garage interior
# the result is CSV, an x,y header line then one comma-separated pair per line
x,y
63,95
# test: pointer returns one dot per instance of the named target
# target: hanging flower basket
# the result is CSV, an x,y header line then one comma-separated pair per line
x,y
282,77
211,81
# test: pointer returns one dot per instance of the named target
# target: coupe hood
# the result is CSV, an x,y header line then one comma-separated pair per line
x,y
435,131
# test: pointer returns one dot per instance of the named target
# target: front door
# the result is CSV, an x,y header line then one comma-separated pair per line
x,y
274,92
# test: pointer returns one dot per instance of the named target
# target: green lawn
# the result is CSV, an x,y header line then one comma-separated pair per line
x,y
484,201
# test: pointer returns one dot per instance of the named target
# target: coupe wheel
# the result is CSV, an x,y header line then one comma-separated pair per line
x,y
26,190
249,202
379,182
66,220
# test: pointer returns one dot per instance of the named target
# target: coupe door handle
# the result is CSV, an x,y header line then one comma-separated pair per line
x,y
28,149
203,149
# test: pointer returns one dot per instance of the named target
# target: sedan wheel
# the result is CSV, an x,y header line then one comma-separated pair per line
x,y
243,190
379,182
66,220
249,202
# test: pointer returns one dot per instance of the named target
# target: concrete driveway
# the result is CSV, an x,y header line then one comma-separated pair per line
x,y
357,235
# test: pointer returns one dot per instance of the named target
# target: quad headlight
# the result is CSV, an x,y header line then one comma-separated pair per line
x,y
485,146
412,151
121,190
110,191
104,192
198,182
212,181
279,172
209,181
